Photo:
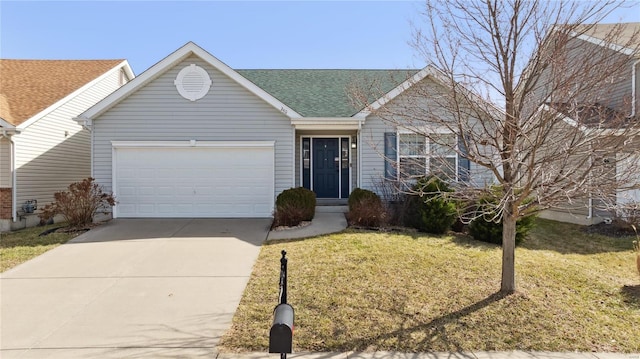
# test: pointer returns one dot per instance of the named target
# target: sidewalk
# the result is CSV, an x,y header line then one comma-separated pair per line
x,y
435,355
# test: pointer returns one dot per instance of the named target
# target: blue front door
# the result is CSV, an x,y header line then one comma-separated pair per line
x,y
326,167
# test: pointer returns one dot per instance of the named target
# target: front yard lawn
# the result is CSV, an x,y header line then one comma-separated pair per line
x,y
367,291
20,246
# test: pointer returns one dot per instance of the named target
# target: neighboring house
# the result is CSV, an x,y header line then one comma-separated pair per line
x,y
615,98
191,137
42,150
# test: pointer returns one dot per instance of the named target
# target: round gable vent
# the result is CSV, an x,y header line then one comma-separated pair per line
x,y
193,82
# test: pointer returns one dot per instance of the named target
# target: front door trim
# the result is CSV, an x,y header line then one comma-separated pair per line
x,y
339,139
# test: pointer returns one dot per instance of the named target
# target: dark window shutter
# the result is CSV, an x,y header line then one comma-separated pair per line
x,y
464,165
390,155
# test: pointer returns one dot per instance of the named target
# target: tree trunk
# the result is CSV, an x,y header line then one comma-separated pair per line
x,y
508,254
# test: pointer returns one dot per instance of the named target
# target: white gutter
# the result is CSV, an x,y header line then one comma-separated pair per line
x,y
91,143
14,192
86,123
603,43
634,97
327,123
359,144
14,185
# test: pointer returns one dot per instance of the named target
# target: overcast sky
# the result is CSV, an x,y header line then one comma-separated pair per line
x,y
261,34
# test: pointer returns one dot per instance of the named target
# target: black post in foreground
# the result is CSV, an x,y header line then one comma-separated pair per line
x,y
283,278
281,334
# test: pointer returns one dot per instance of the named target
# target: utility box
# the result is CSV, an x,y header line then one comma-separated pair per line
x,y
281,334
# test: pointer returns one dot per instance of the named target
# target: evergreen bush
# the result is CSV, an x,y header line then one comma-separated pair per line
x,y
485,229
295,205
428,211
359,194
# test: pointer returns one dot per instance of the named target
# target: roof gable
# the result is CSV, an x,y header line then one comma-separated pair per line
x,y
169,62
439,78
323,93
28,87
296,93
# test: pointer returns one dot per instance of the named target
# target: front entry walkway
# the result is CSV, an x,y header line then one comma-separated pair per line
x,y
131,289
328,219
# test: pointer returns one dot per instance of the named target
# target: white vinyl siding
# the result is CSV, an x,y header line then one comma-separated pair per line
x,y
54,151
229,112
372,149
632,196
372,152
620,93
617,91
5,163
637,90
614,92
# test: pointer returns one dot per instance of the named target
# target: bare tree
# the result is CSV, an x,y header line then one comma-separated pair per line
x,y
527,100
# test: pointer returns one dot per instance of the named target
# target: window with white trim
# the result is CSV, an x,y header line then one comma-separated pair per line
x,y
412,155
419,156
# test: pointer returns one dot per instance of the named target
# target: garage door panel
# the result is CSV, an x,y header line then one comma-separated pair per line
x,y
204,190
164,190
164,173
127,191
145,173
144,208
126,207
184,191
164,208
194,182
128,173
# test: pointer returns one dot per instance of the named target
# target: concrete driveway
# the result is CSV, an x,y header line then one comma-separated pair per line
x,y
132,288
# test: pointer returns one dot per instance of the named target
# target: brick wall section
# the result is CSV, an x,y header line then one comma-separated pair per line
x,y
5,203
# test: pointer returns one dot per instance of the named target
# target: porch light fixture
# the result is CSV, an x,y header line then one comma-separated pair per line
x,y
354,145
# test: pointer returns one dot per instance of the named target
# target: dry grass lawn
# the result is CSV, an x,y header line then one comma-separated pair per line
x,y
20,246
367,291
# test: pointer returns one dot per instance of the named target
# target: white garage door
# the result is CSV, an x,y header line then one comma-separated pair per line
x,y
214,180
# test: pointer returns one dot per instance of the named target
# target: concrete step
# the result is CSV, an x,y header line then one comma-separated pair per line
x,y
332,209
331,201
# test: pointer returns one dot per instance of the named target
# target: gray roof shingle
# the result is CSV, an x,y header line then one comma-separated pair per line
x,y
324,93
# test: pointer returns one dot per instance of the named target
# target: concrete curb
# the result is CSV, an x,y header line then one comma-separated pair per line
x,y
435,355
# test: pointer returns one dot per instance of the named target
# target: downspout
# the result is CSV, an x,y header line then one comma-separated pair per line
x,y
14,192
590,200
634,97
590,204
91,151
87,124
359,144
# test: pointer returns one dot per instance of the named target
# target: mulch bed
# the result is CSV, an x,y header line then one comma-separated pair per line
x,y
284,228
615,229
67,229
